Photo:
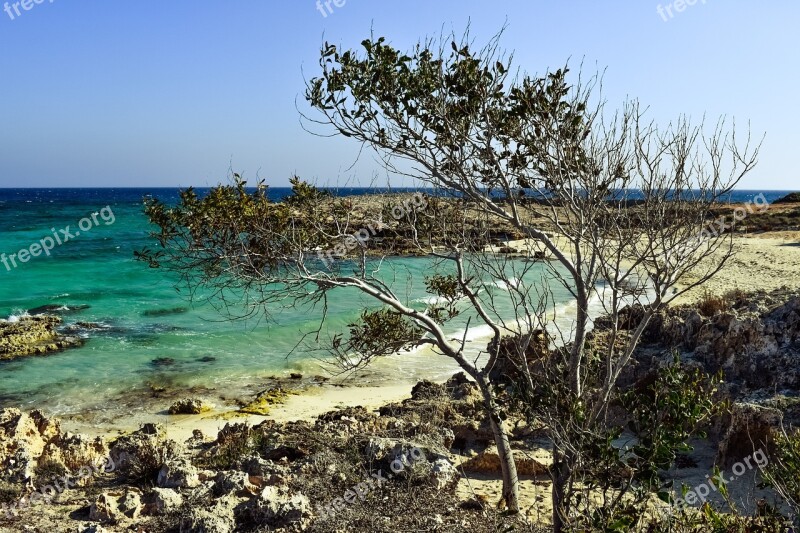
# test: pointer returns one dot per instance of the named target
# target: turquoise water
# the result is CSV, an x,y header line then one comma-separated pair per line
x,y
151,335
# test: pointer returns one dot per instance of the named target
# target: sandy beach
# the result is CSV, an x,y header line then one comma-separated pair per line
x,y
762,262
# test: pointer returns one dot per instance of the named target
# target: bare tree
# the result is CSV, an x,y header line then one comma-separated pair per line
x,y
618,205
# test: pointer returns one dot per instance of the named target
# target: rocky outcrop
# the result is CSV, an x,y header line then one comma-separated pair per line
x,y
23,439
278,507
755,342
35,335
74,451
488,462
178,474
791,198
744,430
191,406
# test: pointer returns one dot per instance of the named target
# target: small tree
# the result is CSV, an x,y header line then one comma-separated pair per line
x,y
248,253
619,205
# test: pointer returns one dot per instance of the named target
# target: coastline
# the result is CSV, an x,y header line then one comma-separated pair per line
x,y
763,262
379,397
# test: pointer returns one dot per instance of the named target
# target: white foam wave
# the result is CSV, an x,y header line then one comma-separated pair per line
x,y
16,316
431,300
506,284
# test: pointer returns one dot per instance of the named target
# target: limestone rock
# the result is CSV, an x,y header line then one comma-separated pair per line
x,y
488,461
23,439
745,430
218,519
203,521
162,501
191,406
234,482
278,507
404,457
106,509
35,335
178,474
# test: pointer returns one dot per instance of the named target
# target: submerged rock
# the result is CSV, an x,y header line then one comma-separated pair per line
x,y
165,312
55,308
162,362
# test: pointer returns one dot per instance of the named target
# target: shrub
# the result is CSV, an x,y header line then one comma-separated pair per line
x,y
148,458
711,304
783,472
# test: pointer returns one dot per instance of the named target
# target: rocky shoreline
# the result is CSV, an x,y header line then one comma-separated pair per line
x,y
320,474
34,336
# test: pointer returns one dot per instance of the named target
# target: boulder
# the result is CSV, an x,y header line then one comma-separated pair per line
x,y
106,509
278,507
191,406
178,474
236,482
217,519
403,458
443,472
274,473
162,501
131,504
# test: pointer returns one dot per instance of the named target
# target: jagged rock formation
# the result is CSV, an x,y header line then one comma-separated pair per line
x,y
35,335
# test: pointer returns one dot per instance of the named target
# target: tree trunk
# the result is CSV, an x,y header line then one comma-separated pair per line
x,y
507,465
560,481
576,357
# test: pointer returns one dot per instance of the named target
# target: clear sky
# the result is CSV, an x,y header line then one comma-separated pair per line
x,y
173,93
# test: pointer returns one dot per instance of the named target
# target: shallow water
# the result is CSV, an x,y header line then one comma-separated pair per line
x,y
149,334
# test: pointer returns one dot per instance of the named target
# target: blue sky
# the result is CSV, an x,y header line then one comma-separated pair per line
x,y
173,93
